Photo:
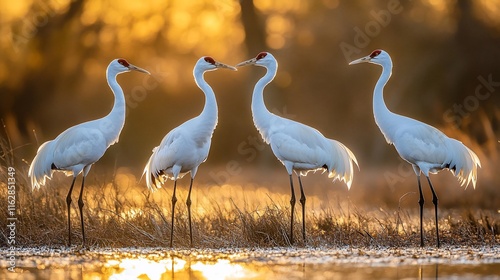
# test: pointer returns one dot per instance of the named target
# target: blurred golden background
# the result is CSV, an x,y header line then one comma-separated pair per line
x,y
446,54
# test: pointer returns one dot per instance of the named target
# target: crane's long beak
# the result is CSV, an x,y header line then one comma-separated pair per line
x,y
360,60
247,62
135,68
222,65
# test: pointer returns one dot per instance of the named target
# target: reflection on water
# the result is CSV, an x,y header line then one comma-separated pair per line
x,y
177,268
138,268
285,263
223,269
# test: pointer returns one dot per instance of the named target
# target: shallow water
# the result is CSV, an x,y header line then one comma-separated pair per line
x,y
276,263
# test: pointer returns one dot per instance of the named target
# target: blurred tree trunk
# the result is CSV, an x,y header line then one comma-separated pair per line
x,y
254,31
476,43
50,40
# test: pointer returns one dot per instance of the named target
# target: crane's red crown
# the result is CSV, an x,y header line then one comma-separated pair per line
x,y
261,55
123,62
209,60
375,53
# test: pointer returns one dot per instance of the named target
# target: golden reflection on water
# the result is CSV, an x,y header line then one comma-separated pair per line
x,y
172,268
222,269
138,268
282,263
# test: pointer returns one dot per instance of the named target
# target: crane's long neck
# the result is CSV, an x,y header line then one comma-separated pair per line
x,y
383,117
112,124
208,116
262,116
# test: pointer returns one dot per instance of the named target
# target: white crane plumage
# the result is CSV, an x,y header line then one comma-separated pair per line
x,y
299,147
426,148
78,147
185,147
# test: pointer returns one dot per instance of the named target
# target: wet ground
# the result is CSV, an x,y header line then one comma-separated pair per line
x,y
276,263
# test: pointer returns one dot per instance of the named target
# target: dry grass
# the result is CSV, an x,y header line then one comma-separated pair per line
x,y
121,213
116,217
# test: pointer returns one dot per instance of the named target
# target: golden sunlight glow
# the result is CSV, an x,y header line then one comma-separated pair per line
x,y
209,22
182,19
60,5
124,178
145,30
439,5
132,213
278,24
275,41
188,26
222,269
488,11
90,13
277,27
140,268
281,6
13,9
491,6
436,13
133,268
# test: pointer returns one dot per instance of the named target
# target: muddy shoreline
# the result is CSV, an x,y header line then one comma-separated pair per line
x,y
29,257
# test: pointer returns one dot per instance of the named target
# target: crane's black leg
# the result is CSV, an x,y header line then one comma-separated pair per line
x,y
80,206
174,200
421,203
188,203
435,202
68,204
303,203
292,206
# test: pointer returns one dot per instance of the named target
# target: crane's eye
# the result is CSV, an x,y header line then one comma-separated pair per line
x,y
123,62
375,53
209,60
261,55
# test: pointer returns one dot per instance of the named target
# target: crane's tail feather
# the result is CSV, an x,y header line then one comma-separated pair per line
x,y
153,178
41,166
342,168
154,172
464,164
